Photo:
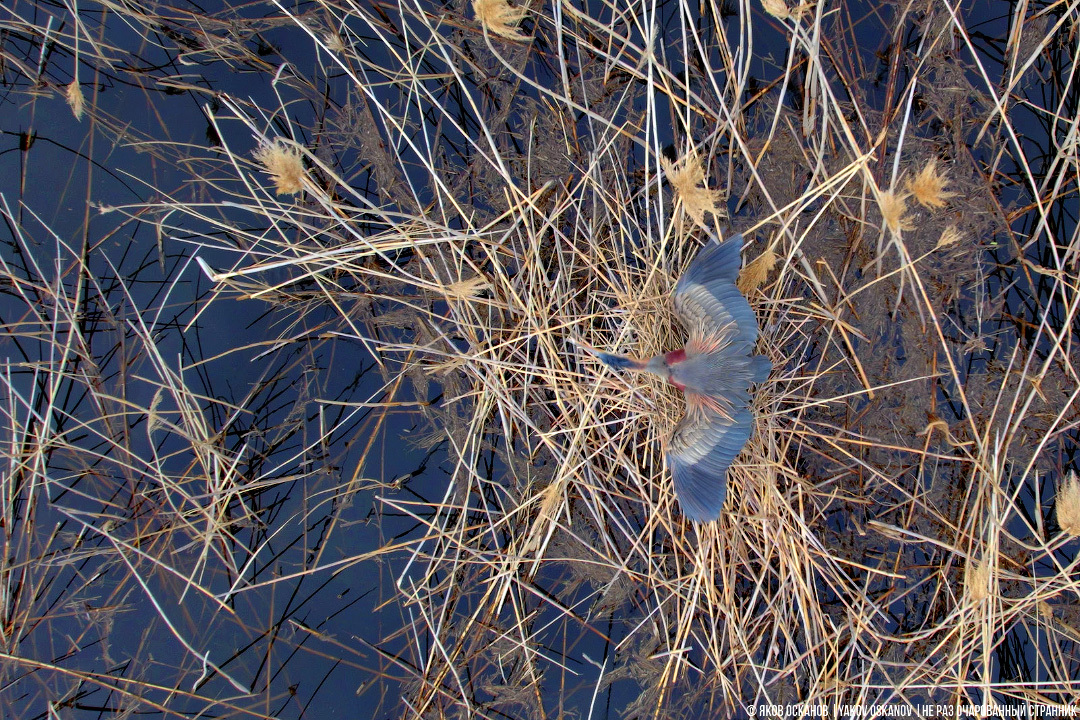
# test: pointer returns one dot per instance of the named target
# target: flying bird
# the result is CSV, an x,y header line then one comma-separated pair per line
x,y
714,371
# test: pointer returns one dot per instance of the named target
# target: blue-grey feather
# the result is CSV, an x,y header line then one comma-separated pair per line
x,y
707,293
701,480
715,261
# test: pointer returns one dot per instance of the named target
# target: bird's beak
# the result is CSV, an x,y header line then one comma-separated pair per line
x,y
615,362
619,362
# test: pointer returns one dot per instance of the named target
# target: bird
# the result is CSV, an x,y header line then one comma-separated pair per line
x,y
714,371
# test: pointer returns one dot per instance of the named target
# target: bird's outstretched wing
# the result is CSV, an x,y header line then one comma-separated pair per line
x,y
708,302
699,453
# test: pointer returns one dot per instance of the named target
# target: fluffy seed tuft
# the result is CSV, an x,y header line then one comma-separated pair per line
x,y
780,10
928,186
756,272
1068,505
500,18
977,580
894,211
949,236
285,165
687,176
74,95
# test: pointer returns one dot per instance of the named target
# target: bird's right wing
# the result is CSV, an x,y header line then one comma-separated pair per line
x,y
708,301
699,453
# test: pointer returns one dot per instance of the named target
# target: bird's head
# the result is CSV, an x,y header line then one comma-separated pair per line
x,y
659,366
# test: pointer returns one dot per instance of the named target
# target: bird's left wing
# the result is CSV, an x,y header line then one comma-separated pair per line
x,y
699,453
708,301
